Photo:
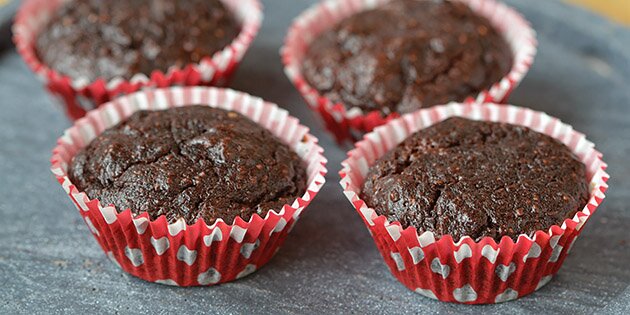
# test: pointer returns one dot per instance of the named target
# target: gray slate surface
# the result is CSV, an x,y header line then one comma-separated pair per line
x,y
49,263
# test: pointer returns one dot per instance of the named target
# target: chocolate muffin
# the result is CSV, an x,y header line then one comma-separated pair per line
x,y
118,38
469,178
189,162
405,55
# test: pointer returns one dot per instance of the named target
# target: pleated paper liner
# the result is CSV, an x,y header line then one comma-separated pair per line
x,y
79,95
466,271
177,253
350,124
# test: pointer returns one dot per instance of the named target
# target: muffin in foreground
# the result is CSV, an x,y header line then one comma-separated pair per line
x,y
430,233
185,194
362,63
88,52
461,177
405,55
92,39
189,163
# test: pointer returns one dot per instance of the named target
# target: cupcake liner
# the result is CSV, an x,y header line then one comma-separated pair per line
x,y
466,271
177,253
79,95
350,124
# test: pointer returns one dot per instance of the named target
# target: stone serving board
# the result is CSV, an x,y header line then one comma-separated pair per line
x,y
49,263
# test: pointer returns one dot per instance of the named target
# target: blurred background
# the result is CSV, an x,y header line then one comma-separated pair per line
x,y
617,10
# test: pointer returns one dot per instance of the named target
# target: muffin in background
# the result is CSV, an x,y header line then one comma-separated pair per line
x,y
360,63
406,55
92,39
88,52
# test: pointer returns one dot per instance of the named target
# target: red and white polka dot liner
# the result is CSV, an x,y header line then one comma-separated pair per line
x,y
466,271
177,253
79,95
351,124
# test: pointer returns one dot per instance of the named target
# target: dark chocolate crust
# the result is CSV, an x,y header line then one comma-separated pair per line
x,y
469,178
118,38
189,162
406,55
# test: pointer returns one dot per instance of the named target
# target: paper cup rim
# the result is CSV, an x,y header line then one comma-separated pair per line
x,y
598,182
523,57
131,103
250,25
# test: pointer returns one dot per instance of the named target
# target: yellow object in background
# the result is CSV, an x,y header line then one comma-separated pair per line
x,y
616,10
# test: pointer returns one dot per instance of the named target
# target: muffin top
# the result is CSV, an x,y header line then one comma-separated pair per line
x,y
118,38
469,178
405,55
189,162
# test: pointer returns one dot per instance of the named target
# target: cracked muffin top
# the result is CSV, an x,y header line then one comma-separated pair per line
x,y
471,178
94,39
406,55
189,162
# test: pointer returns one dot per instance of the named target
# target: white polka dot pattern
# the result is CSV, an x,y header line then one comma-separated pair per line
x,y
398,260
465,294
237,233
141,224
534,252
161,244
248,248
167,282
417,254
91,226
426,292
186,255
442,269
279,226
504,271
490,253
507,295
462,253
210,276
246,271
215,236
135,256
